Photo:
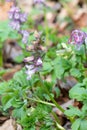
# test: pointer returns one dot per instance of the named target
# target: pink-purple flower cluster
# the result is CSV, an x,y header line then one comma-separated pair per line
x,y
17,19
31,69
25,35
39,1
77,37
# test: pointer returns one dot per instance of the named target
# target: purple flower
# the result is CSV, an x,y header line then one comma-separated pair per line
x,y
29,59
15,25
16,14
39,62
39,1
10,14
77,37
25,36
35,66
24,40
25,33
17,18
23,17
30,71
14,9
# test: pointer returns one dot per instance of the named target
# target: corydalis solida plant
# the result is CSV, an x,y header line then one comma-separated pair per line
x,y
77,37
35,63
17,18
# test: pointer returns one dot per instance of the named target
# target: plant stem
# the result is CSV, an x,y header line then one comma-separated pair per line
x,y
59,126
1,58
57,121
46,28
55,116
52,99
43,102
85,52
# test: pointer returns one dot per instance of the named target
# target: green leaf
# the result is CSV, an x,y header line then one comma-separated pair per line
x,y
76,124
60,66
47,67
75,72
59,71
21,78
57,91
51,53
6,102
72,112
85,82
3,87
78,93
19,58
19,113
6,31
83,125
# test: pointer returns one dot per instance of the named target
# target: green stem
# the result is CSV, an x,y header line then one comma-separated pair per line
x,y
55,116
43,102
85,52
59,126
52,99
1,58
57,121
46,28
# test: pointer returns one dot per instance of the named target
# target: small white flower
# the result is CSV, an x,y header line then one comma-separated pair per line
x,y
86,40
30,71
39,62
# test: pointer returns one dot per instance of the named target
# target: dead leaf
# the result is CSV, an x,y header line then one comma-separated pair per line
x,y
4,8
7,76
10,125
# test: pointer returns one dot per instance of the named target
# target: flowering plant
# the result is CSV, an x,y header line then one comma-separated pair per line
x,y
29,94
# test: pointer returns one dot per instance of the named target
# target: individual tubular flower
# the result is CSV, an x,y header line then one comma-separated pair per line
x,y
29,59
77,37
23,17
25,35
30,71
15,25
39,1
17,18
34,67
39,62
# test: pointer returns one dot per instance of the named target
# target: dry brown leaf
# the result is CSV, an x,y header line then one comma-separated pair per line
x,y
69,83
10,125
64,106
4,8
26,5
7,76
82,21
